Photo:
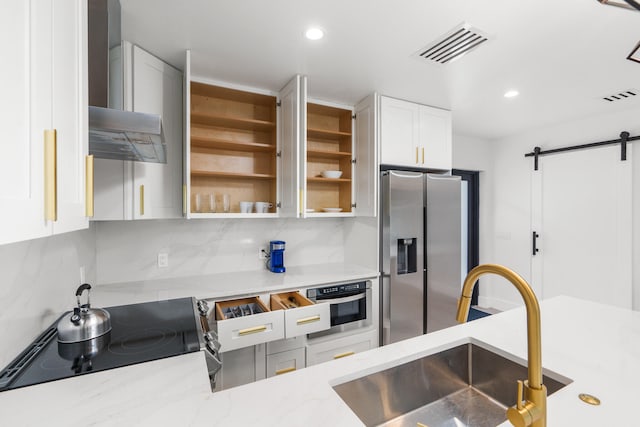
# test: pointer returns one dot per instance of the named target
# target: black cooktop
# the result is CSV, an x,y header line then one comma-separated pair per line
x,y
140,333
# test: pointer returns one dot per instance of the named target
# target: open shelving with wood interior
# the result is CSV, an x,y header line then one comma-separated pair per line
x,y
329,147
233,147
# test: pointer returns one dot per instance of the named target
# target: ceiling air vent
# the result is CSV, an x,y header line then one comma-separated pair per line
x,y
631,93
453,45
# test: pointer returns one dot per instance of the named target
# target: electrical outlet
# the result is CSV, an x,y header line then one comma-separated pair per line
x,y
262,253
83,278
163,260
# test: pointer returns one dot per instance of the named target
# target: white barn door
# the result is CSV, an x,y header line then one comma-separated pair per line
x,y
582,212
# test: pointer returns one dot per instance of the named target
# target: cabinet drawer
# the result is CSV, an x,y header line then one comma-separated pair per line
x,y
341,347
250,329
287,361
301,316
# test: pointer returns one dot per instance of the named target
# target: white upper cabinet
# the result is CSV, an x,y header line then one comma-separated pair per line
x,y
290,140
157,89
366,149
399,132
140,190
241,149
435,137
339,138
414,135
42,183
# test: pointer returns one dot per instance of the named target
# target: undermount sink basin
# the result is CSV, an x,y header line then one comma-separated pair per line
x,y
465,385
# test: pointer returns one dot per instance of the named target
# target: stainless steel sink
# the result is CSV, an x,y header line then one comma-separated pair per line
x,y
466,385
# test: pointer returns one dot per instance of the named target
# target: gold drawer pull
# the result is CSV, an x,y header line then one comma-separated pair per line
x,y
88,189
253,330
50,175
308,320
423,155
416,155
142,200
341,355
285,370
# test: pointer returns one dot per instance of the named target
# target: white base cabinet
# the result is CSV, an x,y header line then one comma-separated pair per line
x,y
242,366
342,347
414,135
287,361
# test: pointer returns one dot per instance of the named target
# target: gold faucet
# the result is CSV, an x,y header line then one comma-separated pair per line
x,y
532,410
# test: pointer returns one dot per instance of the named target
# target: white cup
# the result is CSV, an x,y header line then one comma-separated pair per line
x,y
246,207
263,207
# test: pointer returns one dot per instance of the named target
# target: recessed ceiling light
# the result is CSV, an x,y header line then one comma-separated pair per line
x,y
314,33
511,94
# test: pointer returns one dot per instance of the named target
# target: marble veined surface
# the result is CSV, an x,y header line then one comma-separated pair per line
x,y
222,285
596,346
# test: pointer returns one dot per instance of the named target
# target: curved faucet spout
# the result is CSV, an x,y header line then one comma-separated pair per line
x,y
533,410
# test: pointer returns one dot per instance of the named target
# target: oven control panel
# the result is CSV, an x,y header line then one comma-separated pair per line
x,y
337,290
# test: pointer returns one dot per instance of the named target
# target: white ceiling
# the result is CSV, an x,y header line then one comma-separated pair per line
x,y
562,55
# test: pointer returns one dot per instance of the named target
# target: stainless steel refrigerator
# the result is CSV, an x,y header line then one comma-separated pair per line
x,y
420,254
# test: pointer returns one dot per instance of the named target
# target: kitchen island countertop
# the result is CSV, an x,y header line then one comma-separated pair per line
x,y
596,346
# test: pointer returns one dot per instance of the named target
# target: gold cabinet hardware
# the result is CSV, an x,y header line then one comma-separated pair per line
x,y
254,330
345,354
50,175
416,155
306,320
184,200
88,186
590,399
301,201
285,370
423,155
142,199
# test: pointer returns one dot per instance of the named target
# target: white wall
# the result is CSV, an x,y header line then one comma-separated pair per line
x,y
509,239
38,282
477,154
127,250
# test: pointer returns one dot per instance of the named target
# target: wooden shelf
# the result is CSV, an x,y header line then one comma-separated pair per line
x,y
219,174
324,154
231,122
216,143
327,180
326,134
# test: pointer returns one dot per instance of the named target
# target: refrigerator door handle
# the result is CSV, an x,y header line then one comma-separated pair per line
x,y
386,309
444,177
407,174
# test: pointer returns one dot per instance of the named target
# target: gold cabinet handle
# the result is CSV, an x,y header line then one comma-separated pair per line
x,y
184,200
88,186
285,370
416,155
341,355
306,320
142,199
423,155
254,330
50,175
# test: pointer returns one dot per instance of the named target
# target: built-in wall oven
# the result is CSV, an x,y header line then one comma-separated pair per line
x,y
350,306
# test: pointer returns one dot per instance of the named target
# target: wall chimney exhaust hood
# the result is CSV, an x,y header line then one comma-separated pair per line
x,y
114,133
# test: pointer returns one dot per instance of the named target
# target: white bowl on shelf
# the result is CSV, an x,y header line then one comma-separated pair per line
x,y
333,210
332,174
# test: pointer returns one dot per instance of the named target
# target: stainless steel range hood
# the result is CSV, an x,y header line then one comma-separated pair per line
x,y
114,133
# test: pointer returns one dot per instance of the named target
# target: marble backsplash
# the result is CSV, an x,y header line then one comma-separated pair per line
x,y
128,250
38,279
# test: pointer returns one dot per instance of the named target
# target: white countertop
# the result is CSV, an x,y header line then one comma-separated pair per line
x,y
214,286
596,346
